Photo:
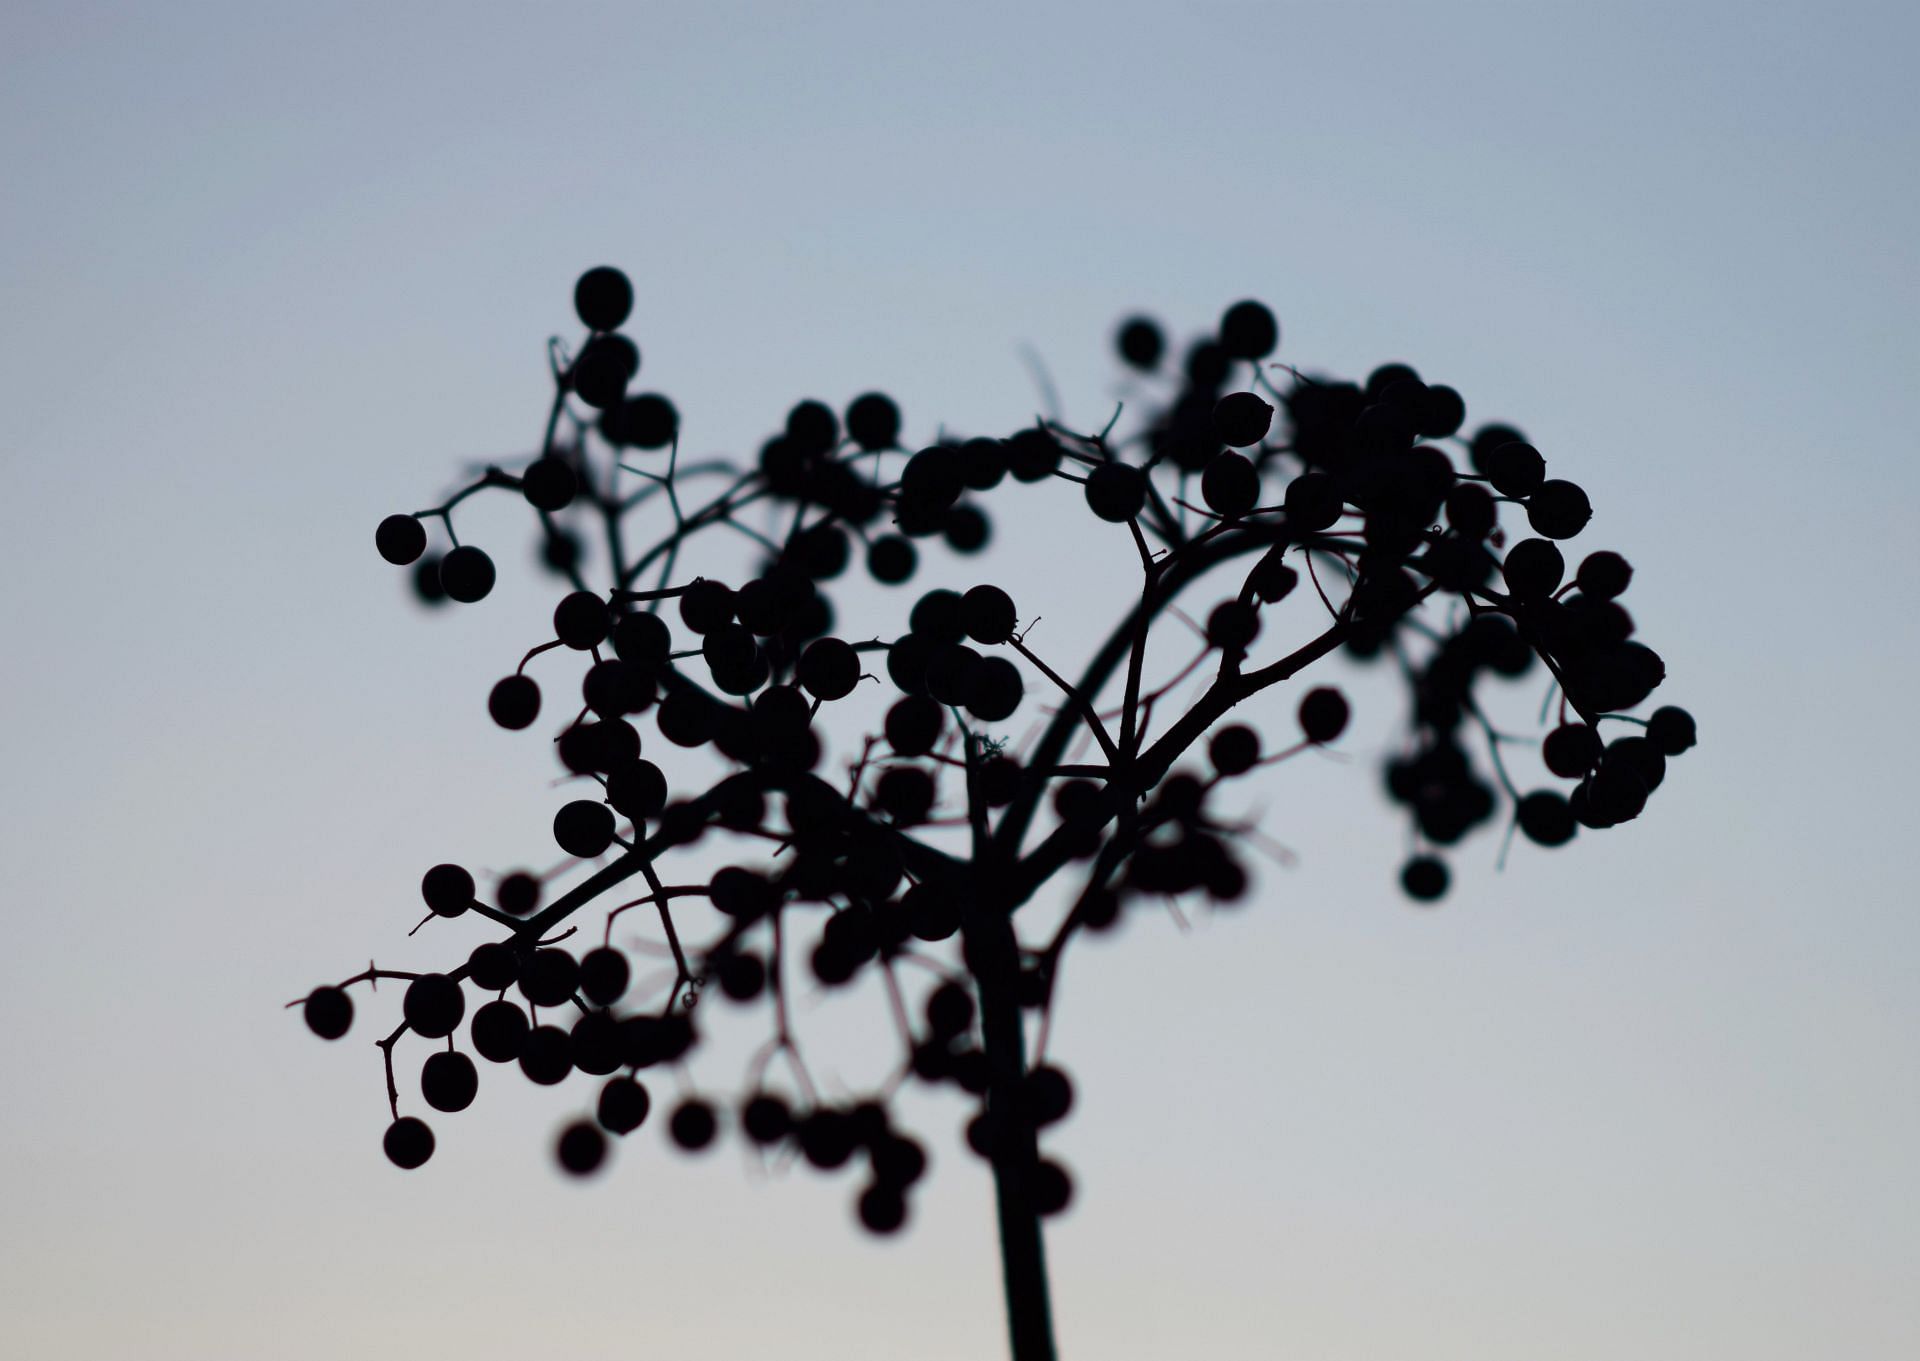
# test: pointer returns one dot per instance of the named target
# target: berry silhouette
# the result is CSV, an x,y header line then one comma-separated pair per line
x,y
328,1012
514,703
584,829
1425,879
548,484
693,1125
581,1148
873,421
1558,509
408,1142
434,1005
1140,343
448,1081
1248,331
447,889
1230,484
602,298
1323,714
401,539
466,574
1242,418
499,1031
623,1105
1671,730
1116,492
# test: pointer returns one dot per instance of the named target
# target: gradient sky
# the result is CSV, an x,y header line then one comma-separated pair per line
x,y
272,272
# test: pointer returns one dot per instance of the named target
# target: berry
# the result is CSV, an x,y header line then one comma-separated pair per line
x,y
1603,575
1116,492
692,1125
603,975
447,889
1232,626
891,559
1312,501
449,1081
1533,569
602,298
1234,750
883,1210
581,621
648,421
829,668
514,702
1230,485
433,1005
408,1142
1545,818
548,484
1425,878
1571,750
328,1012
1323,714
987,614
493,966
584,829
549,977
546,1056
401,539
624,1105
518,894
766,1119
1559,509
499,1031
1242,418
1141,343
1515,468
1249,331
581,1148
466,574
1671,730
1050,1187
873,421
914,724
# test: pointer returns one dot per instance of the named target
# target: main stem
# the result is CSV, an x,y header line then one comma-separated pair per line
x,y
1023,1259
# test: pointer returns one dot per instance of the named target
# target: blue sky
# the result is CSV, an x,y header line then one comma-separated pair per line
x,y
270,274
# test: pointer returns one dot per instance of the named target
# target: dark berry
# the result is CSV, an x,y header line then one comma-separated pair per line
x,y
447,889
1242,418
1425,878
602,298
449,1081
581,1148
433,1005
1671,730
408,1142
328,1012
624,1105
548,484
1249,331
466,574
1323,714
1559,509
514,702
1141,343
401,539
584,828
692,1124
1116,492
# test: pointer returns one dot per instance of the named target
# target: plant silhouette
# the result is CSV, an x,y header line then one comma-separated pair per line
x,y
1343,500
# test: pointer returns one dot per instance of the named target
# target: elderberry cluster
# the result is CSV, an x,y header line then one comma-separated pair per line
x,y
696,707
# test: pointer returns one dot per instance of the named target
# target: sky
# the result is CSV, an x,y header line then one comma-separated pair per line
x,y
268,274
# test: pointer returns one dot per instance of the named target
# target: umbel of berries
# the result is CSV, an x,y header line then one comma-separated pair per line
x,y
708,670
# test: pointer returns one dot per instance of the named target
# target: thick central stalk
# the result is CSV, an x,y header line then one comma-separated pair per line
x,y
994,959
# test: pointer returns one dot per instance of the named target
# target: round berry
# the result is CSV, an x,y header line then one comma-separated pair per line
x,y
548,484
829,668
873,421
1533,569
1249,331
1234,750
987,614
624,1105
1230,485
408,1142
1515,468
1242,418
433,1005
449,1081
401,539
1323,714
1603,575
499,1031
1559,509
581,1148
891,559
1141,343
466,574
328,1012
1546,818
1116,492
1671,730
514,702
604,974
1425,878
584,828
602,298
693,1125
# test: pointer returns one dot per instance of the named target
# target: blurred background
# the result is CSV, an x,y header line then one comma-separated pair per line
x,y
273,272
